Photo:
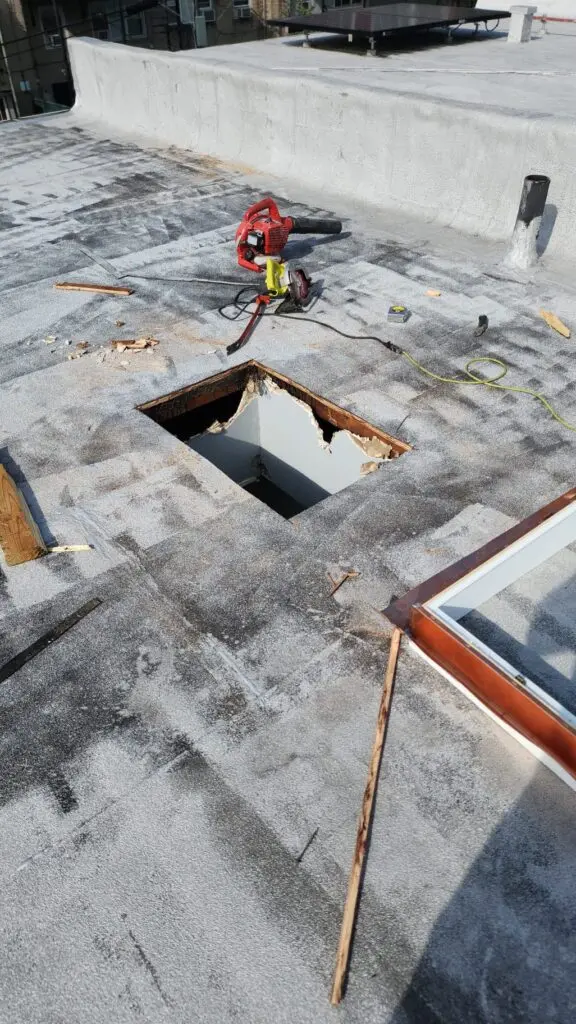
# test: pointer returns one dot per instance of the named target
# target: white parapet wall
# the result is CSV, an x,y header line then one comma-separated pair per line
x,y
458,164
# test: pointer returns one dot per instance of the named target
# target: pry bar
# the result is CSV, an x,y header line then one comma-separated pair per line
x,y
53,634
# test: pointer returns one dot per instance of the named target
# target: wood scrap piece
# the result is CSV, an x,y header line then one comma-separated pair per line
x,y
363,834
103,289
64,549
20,537
121,345
555,323
307,845
336,584
433,293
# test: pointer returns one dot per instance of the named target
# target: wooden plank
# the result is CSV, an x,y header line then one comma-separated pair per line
x,y
363,834
20,537
194,396
103,289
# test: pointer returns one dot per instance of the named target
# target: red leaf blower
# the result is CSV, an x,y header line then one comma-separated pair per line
x,y
263,233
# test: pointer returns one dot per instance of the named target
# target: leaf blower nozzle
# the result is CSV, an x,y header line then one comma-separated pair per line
x,y
315,226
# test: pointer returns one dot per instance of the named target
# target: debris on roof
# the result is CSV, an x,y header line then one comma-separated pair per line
x,y
189,760
555,323
134,344
101,289
20,538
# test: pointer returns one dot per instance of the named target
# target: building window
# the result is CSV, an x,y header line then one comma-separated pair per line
x,y
206,8
135,26
49,26
241,9
107,22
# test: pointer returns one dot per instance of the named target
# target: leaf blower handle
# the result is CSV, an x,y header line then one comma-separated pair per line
x,y
313,226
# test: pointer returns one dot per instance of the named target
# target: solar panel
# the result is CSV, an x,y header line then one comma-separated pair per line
x,y
388,19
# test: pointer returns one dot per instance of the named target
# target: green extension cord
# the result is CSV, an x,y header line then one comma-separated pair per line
x,y
490,382
473,379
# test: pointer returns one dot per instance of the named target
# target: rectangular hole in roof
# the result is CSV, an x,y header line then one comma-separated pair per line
x,y
283,444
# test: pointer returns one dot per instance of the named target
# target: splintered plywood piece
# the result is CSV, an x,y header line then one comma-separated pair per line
x,y
104,289
555,323
20,537
66,549
134,343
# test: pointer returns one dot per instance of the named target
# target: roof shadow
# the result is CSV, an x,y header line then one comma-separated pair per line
x,y
549,218
406,42
502,950
547,656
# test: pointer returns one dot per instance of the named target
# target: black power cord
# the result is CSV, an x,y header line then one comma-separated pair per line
x,y
242,308
236,304
470,377
351,337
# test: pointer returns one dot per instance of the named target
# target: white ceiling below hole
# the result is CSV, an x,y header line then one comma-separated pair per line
x,y
277,436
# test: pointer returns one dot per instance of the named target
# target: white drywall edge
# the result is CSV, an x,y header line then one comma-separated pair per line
x,y
282,431
430,158
235,449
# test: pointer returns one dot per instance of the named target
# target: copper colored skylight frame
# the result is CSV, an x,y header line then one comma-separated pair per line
x,y
507,693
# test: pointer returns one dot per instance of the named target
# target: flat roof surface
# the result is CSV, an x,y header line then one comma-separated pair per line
x,y
482,70
390,18
165,764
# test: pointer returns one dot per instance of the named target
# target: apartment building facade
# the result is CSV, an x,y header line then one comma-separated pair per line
x,y
34,70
